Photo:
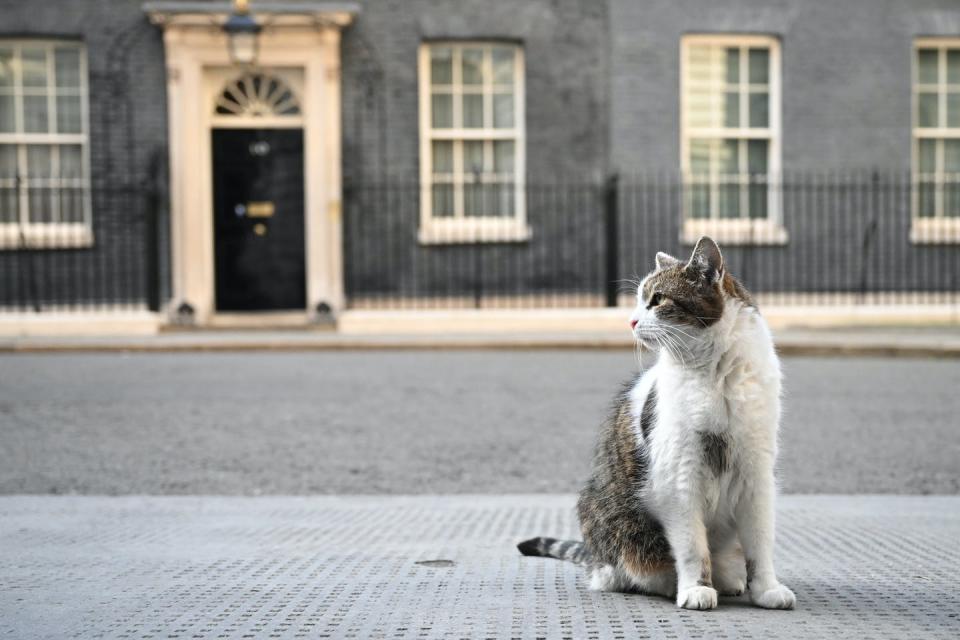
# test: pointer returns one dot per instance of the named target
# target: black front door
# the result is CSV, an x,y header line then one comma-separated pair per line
x,y
258,219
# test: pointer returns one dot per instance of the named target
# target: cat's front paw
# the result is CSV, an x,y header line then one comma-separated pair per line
x,y
777,597
697,598
730,586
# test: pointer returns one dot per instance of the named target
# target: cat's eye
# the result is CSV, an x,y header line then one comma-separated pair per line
x,y
655,299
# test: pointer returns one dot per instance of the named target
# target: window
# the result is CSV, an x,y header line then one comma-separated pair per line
x,y
471,143
44,200
730,123
936,141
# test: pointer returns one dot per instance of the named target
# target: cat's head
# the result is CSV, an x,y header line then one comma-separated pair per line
x,y
679,302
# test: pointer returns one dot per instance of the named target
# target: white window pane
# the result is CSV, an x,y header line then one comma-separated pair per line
x,y
6,67
503,160
953,109
39,194
951,199
926,155
699,157
759,66
951,156
951,188
9,206
759,110
71,161
442,156
68,114
503,111
927,201
729,157
8,161
441,110
67,67
473,158
39,204
731,109
475,198
35,116
472,66
472,110
729,200
441,65
699,195
39,163
927,110
731,59
705,108
953,66
70,203
502,200
927,66
34,64
7,117
757,160
700,65
442,197
758,200
503,65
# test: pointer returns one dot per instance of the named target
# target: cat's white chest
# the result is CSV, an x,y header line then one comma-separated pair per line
x,y
712,422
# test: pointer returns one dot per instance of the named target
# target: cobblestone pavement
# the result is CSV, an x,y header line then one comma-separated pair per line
x,y
440,567
426,422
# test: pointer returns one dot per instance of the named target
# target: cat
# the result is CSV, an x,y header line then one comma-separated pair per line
x,y
680,502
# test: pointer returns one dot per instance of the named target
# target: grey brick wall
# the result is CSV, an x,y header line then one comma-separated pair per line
x,y
565,48
845,70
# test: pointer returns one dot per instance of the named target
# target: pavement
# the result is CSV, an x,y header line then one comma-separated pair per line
x,y
427,422
910,341
413,567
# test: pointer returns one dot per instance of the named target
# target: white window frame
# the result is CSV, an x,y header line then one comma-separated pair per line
x,y
459,228
48,235
768,230
939,229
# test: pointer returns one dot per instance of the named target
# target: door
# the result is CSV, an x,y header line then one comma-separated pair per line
x,y
258,219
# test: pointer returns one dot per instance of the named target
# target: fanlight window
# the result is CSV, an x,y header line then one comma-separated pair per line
x,y
257,94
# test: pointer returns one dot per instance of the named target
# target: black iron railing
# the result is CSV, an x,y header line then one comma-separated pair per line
x,y
80,249
813,238
853,237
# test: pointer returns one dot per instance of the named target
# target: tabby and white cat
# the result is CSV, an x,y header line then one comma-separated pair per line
x,y
681,498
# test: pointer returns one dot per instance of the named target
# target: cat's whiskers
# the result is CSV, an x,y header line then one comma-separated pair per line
x,y
670,343
681,331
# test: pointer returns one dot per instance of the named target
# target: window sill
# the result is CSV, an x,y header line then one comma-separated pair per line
x,y
935,231
474,231
735,232
45,236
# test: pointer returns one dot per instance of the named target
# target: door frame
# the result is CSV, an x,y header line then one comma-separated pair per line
x,y
196,56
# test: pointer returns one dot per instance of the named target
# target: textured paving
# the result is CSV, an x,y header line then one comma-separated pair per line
x,y
439,567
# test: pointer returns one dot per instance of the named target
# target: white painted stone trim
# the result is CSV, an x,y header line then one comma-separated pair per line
x,y
196,54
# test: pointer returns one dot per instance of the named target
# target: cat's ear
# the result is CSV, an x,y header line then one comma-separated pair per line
x,y
706,260
665,261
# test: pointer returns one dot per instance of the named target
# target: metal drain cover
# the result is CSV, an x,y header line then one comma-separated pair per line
x,y
440,567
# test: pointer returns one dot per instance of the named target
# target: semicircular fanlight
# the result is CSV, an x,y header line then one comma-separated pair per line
x,y
257,94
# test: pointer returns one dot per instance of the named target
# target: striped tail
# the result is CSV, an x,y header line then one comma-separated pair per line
x,y
570,550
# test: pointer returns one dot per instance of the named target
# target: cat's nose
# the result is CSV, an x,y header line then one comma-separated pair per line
x,y
633,324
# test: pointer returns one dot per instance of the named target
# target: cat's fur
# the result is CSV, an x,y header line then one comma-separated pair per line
x,y
681,498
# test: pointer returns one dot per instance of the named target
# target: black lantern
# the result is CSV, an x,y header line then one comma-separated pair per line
x,y
242,31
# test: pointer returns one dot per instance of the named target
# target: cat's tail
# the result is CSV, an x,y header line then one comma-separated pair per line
x,y
570,550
